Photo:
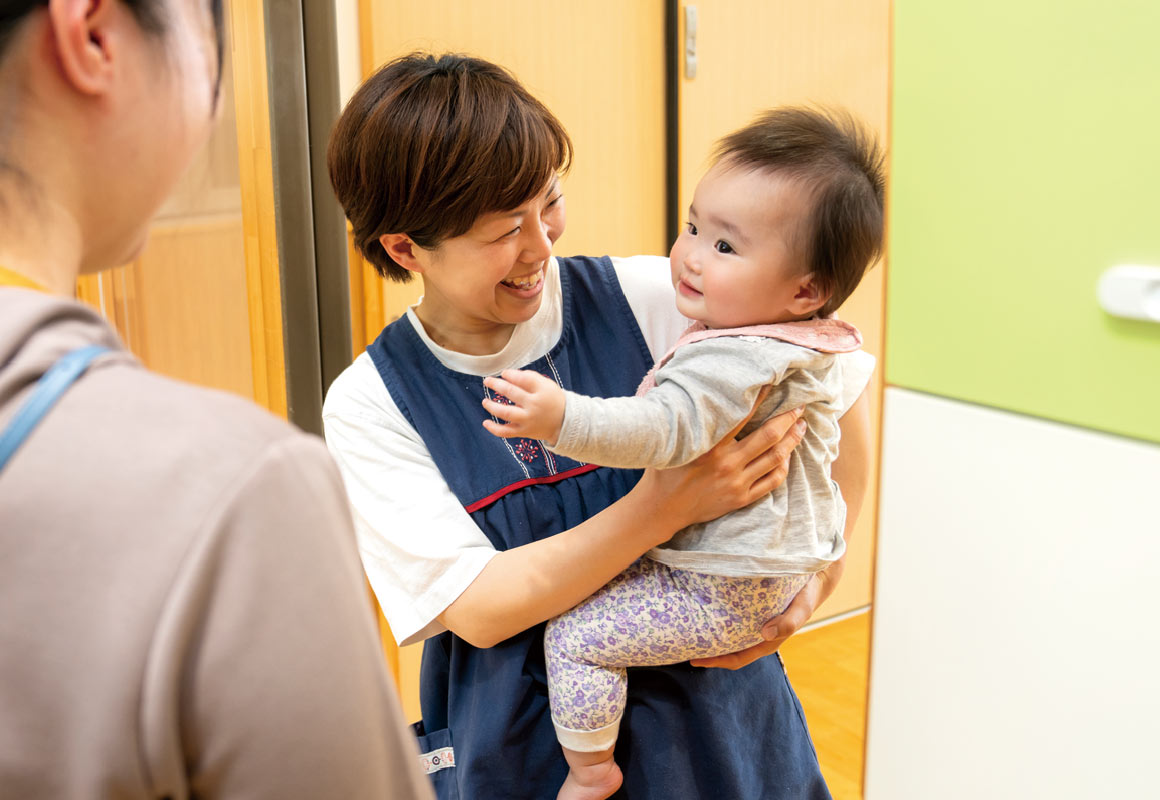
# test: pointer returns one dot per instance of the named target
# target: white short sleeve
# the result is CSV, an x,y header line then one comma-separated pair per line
x,y
648,285
419,546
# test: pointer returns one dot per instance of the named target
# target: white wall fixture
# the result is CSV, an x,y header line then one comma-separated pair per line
x,y
1131,291
690,42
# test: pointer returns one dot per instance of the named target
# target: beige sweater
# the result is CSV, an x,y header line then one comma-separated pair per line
x,y
182,608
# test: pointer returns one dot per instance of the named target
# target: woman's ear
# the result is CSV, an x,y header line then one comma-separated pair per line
x,y
809,297
405,252
86,40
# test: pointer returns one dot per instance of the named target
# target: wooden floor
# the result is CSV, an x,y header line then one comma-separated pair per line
x,y
828,668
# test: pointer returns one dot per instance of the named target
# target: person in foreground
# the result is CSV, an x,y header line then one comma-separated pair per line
x,y
182,612
780,232
448,170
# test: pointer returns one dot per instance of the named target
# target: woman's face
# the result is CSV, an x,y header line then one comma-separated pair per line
x,y
160,117
478,286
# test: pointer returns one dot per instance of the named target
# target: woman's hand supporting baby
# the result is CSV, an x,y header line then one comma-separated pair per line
x,y
534,407
850,472
532,583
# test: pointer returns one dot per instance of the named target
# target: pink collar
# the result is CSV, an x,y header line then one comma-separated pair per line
x,y
829,335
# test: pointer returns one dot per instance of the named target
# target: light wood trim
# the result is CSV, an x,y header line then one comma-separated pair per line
x,y
404,663
115,294
255,165
390,649
829,669
89,291
367,315
366,37
358,310
376,312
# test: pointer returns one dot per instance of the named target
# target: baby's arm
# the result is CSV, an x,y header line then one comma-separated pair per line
x,y
704,391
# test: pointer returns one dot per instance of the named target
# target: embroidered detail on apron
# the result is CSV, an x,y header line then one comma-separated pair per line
x,y
439,759
525,450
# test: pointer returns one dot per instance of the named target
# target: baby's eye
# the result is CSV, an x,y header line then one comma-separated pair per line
x,y
691,228
723,247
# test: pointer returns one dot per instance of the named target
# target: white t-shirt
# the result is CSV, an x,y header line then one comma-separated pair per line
x,y
419,546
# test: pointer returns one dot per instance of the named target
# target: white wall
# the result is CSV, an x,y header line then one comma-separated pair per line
x,y
1014,646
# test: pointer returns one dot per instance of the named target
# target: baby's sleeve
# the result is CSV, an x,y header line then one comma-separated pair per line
x,y
702,393
857,369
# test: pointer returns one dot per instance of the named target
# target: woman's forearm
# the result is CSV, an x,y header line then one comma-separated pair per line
x,y
527,585
535,582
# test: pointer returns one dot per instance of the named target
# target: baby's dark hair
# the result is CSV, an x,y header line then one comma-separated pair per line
x,y
838,158
428,144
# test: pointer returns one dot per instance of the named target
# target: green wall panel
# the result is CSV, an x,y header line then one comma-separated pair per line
x,y
1025,161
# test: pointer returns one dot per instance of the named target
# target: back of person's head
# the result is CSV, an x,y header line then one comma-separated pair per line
x,y
102,106
151,15
840,163
429,143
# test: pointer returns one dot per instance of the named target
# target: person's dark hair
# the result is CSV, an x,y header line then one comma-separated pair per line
x,y
428,144
839,160
150,15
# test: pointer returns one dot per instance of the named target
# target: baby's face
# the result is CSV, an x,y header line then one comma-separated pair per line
x,y
738,260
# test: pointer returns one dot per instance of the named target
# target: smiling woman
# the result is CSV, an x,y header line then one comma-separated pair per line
x,y
478,286
509,148
447,168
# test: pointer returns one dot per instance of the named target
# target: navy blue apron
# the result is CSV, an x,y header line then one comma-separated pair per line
x,y
487,731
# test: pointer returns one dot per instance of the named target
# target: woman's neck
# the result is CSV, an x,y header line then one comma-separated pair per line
x,y
57,281
40,241
480,339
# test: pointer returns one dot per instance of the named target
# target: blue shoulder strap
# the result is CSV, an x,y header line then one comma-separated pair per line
x,y
49,389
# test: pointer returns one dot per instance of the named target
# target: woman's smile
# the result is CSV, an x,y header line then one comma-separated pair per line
x,y
526,286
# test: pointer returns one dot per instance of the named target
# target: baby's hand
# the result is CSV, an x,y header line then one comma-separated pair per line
x,y
536,410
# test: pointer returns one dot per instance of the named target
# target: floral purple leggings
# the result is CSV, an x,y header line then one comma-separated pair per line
x,y
648,615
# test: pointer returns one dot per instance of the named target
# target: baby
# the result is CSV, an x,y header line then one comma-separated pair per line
x,y
780,231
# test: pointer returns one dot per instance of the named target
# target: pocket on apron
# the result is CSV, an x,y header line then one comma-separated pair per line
x,y
437,758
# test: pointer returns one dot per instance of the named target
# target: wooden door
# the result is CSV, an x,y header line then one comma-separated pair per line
x,y
756,54
202,303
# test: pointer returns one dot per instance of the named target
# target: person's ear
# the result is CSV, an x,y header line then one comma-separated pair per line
x,y
405,252
809,296
86,40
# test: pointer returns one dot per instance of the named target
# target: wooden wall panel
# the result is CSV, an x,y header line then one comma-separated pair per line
x,y
190,313
255,164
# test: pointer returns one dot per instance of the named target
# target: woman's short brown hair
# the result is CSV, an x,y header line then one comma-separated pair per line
x,y
839,161
428,144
